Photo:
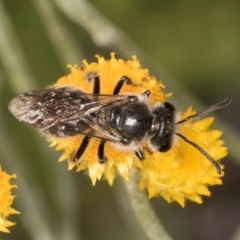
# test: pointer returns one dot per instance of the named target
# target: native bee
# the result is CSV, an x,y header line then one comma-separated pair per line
x,y
125,120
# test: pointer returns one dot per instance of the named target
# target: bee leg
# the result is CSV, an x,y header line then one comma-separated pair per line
x,y
96,84
140,154
120,84
147,93
93,76
81,148
101,157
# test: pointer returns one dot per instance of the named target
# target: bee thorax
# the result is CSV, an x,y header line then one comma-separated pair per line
x,y
132,121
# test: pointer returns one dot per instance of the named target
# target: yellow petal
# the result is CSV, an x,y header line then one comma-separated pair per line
x,y
6,199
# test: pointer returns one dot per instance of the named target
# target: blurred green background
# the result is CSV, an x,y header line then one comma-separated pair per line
x,y
193,47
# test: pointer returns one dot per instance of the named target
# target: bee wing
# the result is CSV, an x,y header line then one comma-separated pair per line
x,y
63,111
93,129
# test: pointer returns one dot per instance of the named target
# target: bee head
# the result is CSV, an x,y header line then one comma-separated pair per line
x,y
164,127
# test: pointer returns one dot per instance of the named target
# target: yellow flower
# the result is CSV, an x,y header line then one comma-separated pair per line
x,y
179,174
6,200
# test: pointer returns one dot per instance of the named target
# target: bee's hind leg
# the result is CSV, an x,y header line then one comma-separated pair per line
x,y
101,157
82,148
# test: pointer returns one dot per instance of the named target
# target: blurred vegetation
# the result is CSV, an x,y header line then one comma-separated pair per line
x,y
193,47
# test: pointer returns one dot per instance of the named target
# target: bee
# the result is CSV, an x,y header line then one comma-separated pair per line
x,y
128,121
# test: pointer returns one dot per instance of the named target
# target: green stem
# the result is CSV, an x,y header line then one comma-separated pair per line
x,y
143,210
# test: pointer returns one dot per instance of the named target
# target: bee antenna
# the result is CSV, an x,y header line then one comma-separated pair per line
x,y
208,110
202,151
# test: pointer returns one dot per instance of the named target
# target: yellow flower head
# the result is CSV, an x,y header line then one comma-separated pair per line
x,y
183,172
179,174
6,200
